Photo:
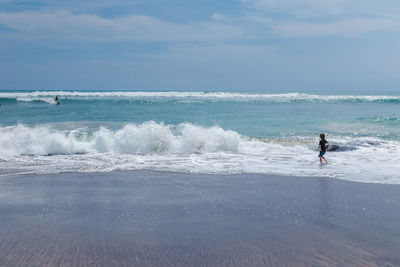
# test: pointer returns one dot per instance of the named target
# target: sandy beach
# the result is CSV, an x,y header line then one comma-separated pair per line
x,y
145,218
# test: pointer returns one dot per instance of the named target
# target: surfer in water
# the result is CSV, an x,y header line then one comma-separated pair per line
x,y
322,148
57,101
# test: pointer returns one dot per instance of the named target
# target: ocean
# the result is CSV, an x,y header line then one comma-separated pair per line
x,y
201,132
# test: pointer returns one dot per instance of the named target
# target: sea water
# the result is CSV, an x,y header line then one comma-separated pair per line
x,y
201,132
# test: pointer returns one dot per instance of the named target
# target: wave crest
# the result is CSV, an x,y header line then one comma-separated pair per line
x,y
47,96
146,138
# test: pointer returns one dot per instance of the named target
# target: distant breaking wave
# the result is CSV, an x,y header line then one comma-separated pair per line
x,y
47,96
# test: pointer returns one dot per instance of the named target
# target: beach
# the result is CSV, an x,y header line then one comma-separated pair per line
x,y
199,133
148,218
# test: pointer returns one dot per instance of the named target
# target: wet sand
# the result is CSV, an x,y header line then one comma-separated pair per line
x,y
145,218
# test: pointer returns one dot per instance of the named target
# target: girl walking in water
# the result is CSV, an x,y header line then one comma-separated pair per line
x,y
322,148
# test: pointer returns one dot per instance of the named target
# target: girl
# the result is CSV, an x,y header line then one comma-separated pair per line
x,y
322,148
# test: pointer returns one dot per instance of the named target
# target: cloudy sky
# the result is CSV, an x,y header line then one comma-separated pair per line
x,y
247,45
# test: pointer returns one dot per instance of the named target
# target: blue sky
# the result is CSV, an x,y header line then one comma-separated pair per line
x,y
247,45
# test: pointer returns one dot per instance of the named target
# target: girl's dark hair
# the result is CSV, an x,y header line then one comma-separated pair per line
x,y
322,136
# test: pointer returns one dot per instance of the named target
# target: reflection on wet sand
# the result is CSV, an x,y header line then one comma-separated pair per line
x,y
166,219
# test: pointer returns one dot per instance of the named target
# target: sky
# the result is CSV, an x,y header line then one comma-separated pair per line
x,y
182,45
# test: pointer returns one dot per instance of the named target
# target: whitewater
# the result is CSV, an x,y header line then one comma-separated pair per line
x,y
47,96
201,132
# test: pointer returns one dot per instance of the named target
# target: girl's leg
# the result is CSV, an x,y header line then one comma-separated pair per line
x,y
326,162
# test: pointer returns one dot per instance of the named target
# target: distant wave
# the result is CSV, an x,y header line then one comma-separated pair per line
x,y
36,99
191,148
47,96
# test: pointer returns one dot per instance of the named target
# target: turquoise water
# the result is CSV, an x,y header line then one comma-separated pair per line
x,y
252,117
225,126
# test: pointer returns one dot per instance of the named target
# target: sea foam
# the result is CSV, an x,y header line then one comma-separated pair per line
x,y
146,138
47,96
191,148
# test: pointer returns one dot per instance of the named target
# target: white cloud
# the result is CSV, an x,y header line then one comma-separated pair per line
x,y
297,6
65,25
293,24
344,28
318,8
217,16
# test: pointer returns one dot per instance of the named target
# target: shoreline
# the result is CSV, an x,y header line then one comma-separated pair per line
x,y
15,172
169,219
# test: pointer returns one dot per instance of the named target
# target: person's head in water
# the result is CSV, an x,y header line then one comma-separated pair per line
x,y
322,136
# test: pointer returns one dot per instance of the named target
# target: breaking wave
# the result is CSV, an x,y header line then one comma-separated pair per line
x,y
36,99
47,96
146,138
191,148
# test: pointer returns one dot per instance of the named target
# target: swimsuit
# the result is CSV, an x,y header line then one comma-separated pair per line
x,y
322,144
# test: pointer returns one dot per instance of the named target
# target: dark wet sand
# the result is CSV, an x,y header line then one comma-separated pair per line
x,y
145,218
